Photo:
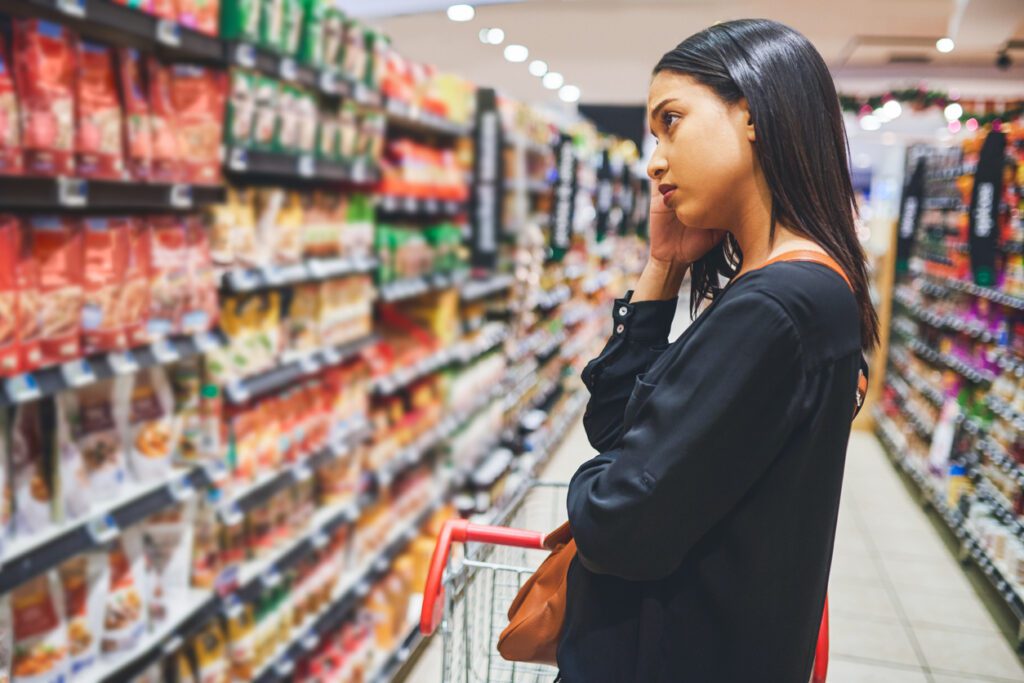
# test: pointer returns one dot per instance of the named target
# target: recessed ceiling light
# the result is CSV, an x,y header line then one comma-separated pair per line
x,y
553,80
945,45
953,112
538,68
461,12
492,36
892,109
569,93
516,53
870,122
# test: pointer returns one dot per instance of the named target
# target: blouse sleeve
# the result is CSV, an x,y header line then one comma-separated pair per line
x,y
696,442
639,335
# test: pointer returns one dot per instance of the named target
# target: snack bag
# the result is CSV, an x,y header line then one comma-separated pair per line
x,y
84,580
241,116
106,242
267,112
6,639
168,540
134,305
148,425
211,655
291,32
40,637
328,133
306,108
241,642
10,126
44,60
272,24
124,619
29,310
138,138
98,126
72,497
201,304
93,414
57,249
31,483
186,385
166,161
312,51
168,286
10,243
165,9
241,20
197,98
287,119
355,58
200,15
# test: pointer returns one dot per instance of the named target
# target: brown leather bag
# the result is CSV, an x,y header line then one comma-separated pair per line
x,y
537,613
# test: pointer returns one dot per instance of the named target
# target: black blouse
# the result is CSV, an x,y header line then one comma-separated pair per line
x,y
705,525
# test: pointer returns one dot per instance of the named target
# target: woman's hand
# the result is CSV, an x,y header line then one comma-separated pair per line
x,y
673,243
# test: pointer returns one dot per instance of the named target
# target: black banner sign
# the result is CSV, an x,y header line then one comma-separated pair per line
x,y
564,209
910,215
985,199
488,183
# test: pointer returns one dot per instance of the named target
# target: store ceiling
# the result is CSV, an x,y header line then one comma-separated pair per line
x,y
608,47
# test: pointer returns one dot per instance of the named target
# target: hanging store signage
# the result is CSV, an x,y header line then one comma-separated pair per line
x,y
488,174
910,215
605,195
564,209
984,216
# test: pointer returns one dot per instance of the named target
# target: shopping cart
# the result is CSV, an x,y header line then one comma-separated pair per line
x,y
469,602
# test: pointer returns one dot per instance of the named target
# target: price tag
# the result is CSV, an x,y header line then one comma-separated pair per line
x,y
215,471
122,362
362,589
274,276
381,565
271,579
168,33
310,643
22,388
288,69
319,540
329,81
245,55
431,206
309,365
302,473
72,192
243,280
181,196
231,515
238,159
331,356
284,668
102,529
359,172
181,489
306,166
206,342
165,352
409,205
78,373
172,645
73,8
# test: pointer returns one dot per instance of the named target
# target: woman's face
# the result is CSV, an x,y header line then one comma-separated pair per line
x,y
704,161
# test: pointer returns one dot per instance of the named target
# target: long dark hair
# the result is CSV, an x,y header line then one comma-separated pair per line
x,y
801,145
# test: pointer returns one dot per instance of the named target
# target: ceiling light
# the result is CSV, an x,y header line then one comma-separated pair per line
x,y
881,114
492,36
953,112
945,45
461,12
954,126
870,122
553,80
892,109
569,93
516,53
538,68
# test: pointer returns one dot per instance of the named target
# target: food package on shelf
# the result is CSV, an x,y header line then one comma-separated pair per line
x,y
10,245
168,270
11,162
138,136
57,250
200,15
166,163
85,580
168,542
44,59
40,632
134,294
98,119
150,429
197,98
241,20
106,254
125,617
201,307
241,112
32,480
265,129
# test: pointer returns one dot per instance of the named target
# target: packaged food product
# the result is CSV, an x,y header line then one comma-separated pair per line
x,y
241,115
57,248
306,106
200,15
138,140
201,306
149,427
291,31
10,241
84,580
272,24
31,480
29,310
6,639
72,498
92,413
333,35
168,271
40,637
186,385
312,50
124,619
288,119
6,500
267,112
166,160
168,539
44,60
244,239
211,655
241,20
134,306
105,246
10,126
206,559
98,129
165,9
197,98
241,642
348,124
355,58
329,133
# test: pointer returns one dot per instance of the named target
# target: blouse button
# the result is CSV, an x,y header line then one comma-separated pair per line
x,y
620,329
623,311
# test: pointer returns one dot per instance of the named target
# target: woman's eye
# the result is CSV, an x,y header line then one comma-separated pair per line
x,y
667,119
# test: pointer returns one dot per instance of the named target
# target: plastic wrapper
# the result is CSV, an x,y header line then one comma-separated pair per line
x,y
40,635
241,20
124,618
197,97
30,309
44,59
106,243
201,306
98,125
135,297
200,15
241,114
93,414
57,249
168,273
150,429
10,126
84,580
168,539
10,242
166,160
138,135
31,479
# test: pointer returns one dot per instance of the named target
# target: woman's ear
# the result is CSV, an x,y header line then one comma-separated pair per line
x,y
748,119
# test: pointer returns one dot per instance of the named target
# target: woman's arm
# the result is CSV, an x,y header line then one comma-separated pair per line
x,y
694,445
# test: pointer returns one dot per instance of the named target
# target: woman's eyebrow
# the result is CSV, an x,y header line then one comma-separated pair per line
x,y
661,105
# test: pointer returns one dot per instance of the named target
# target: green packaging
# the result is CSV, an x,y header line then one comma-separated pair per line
x,y
291,30
241,114
329,134
333,36
307,113
265,129
240,20
272,24
313,26
288,119
349,127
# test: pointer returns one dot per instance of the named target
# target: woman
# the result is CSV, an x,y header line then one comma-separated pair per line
x,y
705,525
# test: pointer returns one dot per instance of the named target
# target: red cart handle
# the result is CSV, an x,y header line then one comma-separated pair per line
x,y
821,651
461,531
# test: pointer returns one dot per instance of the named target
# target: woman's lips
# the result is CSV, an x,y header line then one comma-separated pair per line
x,y
667,194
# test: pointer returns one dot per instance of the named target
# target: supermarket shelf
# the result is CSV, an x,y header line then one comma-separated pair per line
x,y
1002,459
973,329
475,289
953,172
410,119
550,349
81,372
405,206
923,351
28,558
21,193
527,144
933,395
548,301
393,664
992,295
280,376
253,164
249,279
412,287
461,352
534,186
1004,410
117,24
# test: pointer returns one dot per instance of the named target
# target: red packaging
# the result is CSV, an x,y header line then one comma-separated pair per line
x,y
134,306
10,127
138,140
200,15
9,246
197,96
168,276
44,59
166,160
57,248
105,247
201,307
165,9
98,123
30,309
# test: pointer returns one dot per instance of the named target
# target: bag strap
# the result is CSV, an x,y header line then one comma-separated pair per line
x,y
810,256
